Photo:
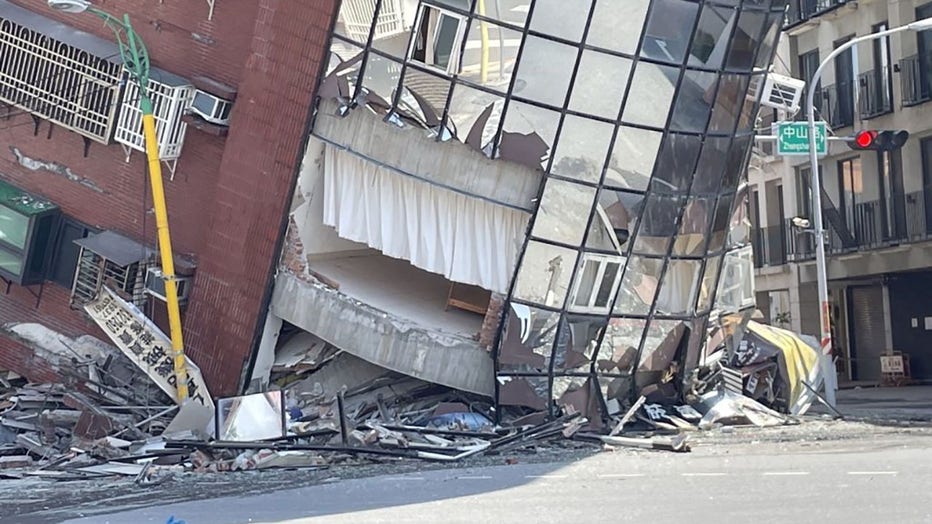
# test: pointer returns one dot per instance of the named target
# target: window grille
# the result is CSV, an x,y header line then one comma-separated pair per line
x,y
58,82
94,272
171,96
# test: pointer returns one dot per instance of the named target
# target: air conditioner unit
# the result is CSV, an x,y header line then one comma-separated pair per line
x,y
211,108
155,285
782,92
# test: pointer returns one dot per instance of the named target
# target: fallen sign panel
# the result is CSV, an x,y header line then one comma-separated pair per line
x,y
145,344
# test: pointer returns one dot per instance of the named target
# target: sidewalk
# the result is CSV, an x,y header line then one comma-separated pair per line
x,y
888,404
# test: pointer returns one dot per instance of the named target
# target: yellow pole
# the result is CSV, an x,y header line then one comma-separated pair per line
x,y
484,32
165,249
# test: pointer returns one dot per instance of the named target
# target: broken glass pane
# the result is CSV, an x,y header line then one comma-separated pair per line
x,y
565,388
658,224
470,108
545,70
736,284
527,339
582,148
600,84
531,392
564,212
544,276
251,417
564,19
617,26
633,158
651,94
668,30
662,339
424,95
615,220
720,223
616,392
342,71
680,285
638,286
503,44
576,347
534,122
620,345
381,78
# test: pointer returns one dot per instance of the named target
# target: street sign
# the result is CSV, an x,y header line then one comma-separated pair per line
x,y
793,138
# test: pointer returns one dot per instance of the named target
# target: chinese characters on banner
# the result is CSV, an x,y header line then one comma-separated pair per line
x,y
145,344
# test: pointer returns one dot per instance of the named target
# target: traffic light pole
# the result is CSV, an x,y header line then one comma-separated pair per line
x,y
825,322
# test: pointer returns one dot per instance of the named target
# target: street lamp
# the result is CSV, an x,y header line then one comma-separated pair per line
x,y
136,59
822,277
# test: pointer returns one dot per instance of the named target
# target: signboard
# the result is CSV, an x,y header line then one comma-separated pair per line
x,y
793,138
145,344
892,364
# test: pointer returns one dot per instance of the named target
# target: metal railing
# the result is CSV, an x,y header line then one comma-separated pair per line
x,y
874,224
875,92
838,105
802,10
916,79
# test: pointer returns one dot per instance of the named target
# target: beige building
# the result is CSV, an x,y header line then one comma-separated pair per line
x,y
877,206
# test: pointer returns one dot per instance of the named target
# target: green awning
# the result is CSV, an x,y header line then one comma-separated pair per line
x,y
23,202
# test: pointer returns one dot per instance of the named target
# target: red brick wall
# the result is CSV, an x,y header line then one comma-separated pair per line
x,y
229,194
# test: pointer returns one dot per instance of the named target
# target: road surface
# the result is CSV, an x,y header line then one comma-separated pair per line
x,y
856,481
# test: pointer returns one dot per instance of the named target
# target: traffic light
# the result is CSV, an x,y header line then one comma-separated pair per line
x,y
873,140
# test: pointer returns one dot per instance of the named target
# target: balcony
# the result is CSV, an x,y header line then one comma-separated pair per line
x,y
802,10
898,219
770,245
837,105
916,75
875,92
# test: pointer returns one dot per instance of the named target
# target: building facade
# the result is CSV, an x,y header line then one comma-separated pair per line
x,y
539,201
875,205
76,212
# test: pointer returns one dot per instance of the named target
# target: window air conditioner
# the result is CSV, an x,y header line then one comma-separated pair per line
x,y
782,92
155,285
211,108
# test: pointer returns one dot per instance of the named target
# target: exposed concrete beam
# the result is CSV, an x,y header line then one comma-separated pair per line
x,y
411,150
384,340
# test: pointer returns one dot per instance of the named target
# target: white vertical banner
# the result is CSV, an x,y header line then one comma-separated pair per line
x,y
145,344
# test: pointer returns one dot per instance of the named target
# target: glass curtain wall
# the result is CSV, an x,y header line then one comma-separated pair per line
x,y
641,116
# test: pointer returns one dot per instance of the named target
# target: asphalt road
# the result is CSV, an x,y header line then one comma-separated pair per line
x,y
855,481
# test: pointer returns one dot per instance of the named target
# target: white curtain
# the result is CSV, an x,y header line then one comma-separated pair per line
x,y
464,239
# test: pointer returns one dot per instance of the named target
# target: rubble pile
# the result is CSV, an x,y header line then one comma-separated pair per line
x,y
330,408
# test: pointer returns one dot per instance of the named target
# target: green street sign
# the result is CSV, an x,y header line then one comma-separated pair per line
x,y
793,138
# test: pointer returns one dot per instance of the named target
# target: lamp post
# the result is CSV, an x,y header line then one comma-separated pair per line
x,y
822,277
136,59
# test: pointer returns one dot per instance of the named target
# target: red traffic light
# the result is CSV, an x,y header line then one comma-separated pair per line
x,y
872,140
865,139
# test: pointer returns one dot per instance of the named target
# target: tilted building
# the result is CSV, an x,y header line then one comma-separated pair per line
x,y
540,201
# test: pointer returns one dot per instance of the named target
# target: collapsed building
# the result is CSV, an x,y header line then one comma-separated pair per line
x,y
537,202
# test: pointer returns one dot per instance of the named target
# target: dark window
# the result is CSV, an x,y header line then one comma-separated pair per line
x,y
66,252
808,64
841,113
804,189
925,51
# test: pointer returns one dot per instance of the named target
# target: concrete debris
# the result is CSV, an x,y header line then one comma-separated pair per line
x,y
327,407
